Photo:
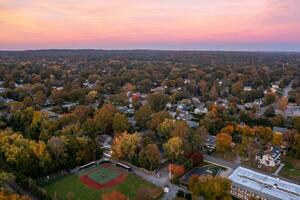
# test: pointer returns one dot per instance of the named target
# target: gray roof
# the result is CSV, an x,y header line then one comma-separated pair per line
x,y
264,185
279,129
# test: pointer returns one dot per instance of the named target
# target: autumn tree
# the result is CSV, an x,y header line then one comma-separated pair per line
x,y
296,123
120,123
181,129
176,170
145,85
228,129
56,146
210,187
195,156
195,139
157,119
282,103
296,146
236,88
277,139
103,119
213,94
125,145
264,133
174,148
143,116
149,157
165,128
40,97
223,142
157,101
270,97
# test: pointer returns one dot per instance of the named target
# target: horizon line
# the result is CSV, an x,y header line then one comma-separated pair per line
x,y
150,49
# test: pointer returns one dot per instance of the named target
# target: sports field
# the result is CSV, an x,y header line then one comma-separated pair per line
x,y
205,169
104,176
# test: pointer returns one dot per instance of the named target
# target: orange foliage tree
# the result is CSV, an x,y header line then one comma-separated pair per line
x,y
176,170
223,142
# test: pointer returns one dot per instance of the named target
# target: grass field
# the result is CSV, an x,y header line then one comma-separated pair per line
x,y
71,183
291,169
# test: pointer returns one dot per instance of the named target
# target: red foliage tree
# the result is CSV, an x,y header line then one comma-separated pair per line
x,y
195,156
176,170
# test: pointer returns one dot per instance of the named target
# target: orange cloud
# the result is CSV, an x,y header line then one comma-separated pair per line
x,y
131,21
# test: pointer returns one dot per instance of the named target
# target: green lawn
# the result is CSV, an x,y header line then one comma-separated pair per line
x,y
291,169
72,183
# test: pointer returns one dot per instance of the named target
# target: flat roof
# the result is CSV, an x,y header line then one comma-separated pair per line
x,y
265,185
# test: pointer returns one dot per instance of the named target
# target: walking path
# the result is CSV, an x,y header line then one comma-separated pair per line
x,y
278,169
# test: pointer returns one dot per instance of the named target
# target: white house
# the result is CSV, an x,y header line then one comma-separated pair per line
x,y
270,158
247,88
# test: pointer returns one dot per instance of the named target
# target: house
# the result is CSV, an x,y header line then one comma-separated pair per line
x,y
181,107
247,88
279,129
159,89
87,84
132,121
2,89
187,81
200,110
57,88
69,105
274,88
174,90
185,116
270,158
292,110
172,114
105,142
168,105
51,115
195,100
122,109
247,184
192,124
210,143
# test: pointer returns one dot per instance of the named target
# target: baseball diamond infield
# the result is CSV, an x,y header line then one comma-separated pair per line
x,y
103,176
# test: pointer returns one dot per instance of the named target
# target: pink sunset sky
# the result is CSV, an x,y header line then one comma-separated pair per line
x,y
150,24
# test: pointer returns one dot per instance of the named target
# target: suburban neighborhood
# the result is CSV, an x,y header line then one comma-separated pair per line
x,y
141,125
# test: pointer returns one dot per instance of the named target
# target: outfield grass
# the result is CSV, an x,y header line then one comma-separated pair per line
x,y
72,183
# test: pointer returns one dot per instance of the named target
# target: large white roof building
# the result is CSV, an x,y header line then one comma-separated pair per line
x,y
247,183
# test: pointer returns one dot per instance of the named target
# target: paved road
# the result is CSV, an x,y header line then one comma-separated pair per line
x,y
278,169
161,182
287,89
